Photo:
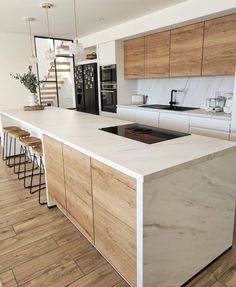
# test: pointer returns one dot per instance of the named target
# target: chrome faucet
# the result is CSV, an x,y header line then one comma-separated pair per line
x,y
172,102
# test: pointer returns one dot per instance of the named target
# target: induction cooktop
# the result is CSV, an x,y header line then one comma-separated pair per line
x,y
143,133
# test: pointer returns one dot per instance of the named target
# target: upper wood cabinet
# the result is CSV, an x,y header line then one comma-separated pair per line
x,y
55,170
114,196
134,58
186,50
157,55
79,190
219,54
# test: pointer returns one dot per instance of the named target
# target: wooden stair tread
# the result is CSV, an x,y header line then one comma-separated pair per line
x,y
63,47
50,88
48,93
50,83
60,63
59,70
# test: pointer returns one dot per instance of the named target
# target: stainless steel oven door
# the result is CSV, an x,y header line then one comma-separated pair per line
x,y
108,74
109,100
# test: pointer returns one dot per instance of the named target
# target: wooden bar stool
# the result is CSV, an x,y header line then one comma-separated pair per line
x,y
26,143
38,159
6,130
15,135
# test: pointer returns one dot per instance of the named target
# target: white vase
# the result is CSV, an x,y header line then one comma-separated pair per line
x,y
33,100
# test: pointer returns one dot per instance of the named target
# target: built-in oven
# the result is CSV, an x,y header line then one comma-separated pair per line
x,y
109,100
108,74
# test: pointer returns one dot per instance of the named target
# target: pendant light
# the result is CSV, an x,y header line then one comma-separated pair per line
x,y
33,59
49,54
76,47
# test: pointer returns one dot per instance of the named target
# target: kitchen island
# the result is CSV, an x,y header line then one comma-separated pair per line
x,y
158,213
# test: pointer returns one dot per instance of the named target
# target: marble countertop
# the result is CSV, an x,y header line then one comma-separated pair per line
x,y
196,113
137,159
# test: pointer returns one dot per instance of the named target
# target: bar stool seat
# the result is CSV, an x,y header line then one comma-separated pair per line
x,y
30,141
11,128
38,150
19,133
6,130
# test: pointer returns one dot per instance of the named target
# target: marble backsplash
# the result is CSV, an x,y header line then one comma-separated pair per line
x,y
194,90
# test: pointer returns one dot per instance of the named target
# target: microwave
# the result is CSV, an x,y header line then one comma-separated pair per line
x,y
108,74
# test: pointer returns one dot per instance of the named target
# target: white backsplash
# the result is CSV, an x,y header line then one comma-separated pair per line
x,y
196,89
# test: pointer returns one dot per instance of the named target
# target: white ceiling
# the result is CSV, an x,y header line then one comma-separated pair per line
x,y
61,16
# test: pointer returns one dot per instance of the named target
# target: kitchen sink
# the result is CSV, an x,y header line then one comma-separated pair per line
x,y
168,107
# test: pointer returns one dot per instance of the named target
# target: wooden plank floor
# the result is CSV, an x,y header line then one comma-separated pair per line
x,y
40,247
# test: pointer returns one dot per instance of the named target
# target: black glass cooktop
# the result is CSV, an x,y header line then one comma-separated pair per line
x,y
145,134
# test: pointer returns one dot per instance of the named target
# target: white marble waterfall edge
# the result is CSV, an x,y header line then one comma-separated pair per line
x,y
188,220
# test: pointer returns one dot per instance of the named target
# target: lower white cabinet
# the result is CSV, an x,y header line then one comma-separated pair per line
x,y
147,118
126,114
233,137
210,133
212,124
174,122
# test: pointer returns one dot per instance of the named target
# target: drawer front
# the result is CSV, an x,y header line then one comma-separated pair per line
x,y
126,114
55,170
210,133
214,124
174,122
147,118
114,197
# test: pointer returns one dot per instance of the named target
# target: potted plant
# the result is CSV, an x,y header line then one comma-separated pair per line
x,y
29,80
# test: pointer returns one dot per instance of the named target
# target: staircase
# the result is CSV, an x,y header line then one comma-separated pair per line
x,y
48,90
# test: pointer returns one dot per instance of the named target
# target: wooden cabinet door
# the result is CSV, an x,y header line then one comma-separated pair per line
x,y
78,190
219,53
157,55
134,58
186,50
114,196
55,170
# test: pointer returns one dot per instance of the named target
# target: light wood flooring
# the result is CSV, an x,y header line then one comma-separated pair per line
x,y
40,247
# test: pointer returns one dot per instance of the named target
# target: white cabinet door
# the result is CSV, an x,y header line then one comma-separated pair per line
x,y
126,114
147,118
107,53
210,133
213,124
174,122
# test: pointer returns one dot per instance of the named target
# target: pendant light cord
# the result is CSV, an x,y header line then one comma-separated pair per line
x,y
75,18
31,41
49,36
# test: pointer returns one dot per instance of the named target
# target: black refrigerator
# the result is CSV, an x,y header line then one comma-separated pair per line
x,y
86,88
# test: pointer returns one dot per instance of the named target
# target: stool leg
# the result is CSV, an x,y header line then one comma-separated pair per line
x,y
9,153
3,146
32,174
14,163
40,181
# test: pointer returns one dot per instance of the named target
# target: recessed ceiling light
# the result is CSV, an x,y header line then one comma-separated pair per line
x,y
101,19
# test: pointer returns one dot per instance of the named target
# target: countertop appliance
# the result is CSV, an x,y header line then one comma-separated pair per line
x,y
215,104
86,88
139,99
143,133
228,103
108,88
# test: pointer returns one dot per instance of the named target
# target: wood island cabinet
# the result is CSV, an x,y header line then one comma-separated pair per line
x,y
99,200
79,190
186,50
219,54
157,55
115,218
134,58
55,170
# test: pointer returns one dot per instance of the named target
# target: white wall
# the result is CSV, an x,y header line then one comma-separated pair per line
x,y
186,12
196,89
14,56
